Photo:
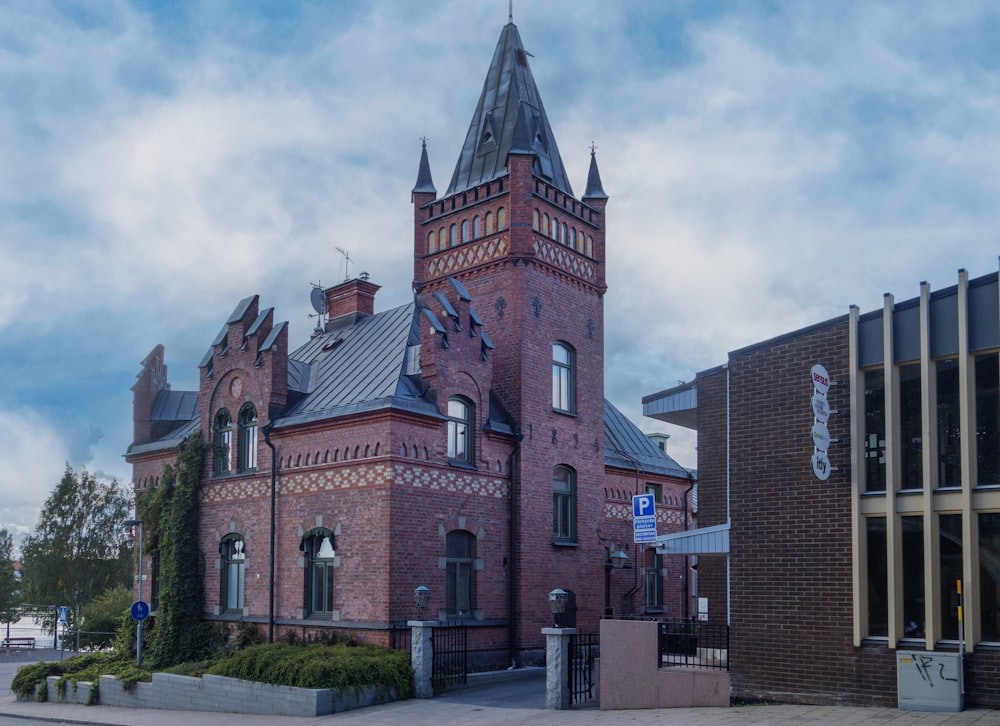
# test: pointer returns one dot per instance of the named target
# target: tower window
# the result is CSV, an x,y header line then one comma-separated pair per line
x,y
465,230
489,223
452,235
459,592
477,227
222,442
248,437
318,545
563,504
534,220
501,219
461,414
234,564
563,378
431,241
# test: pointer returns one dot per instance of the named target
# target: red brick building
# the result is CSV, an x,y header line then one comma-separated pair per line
x,y
857,465
461,442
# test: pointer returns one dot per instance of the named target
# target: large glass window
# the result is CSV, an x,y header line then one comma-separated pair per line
x,y
652,579
460,422
913,577
563,383
248,437
321,554
987,420
875,430
222,442
460,550
234,558
878,579
564,504
910,426
949,431
951,572
989,576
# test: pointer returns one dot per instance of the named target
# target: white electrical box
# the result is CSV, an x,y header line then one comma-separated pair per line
x,y
929,681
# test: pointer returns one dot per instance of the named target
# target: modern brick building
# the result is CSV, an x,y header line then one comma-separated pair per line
x,y
857,465
461,442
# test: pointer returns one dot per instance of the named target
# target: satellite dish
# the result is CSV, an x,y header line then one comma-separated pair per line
x,y
318,299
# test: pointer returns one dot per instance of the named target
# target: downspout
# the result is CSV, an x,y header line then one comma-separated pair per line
x,y
274,488
511,557
687,558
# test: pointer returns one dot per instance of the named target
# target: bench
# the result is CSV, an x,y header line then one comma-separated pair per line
x,y
26,642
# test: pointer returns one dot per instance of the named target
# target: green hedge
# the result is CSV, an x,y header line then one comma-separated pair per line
x,y
340,667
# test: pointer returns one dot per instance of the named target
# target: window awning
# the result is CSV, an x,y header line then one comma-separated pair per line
x,y
702,541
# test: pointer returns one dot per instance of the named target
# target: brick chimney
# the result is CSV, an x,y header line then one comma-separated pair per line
x,y
349,302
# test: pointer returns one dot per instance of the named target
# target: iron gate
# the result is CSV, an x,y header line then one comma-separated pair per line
x,y
584,648
451,657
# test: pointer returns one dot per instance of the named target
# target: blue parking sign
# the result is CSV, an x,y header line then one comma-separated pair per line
x,y
643,518
643,505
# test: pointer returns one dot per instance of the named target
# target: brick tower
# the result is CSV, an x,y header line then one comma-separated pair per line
x,y
532,256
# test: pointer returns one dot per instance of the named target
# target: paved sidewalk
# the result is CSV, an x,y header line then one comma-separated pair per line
x,y
506,704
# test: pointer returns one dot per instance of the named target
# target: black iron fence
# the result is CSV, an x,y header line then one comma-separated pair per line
x,y
451,657
694,644
584,649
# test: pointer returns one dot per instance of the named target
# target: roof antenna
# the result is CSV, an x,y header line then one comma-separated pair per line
x,y
510,11
347,261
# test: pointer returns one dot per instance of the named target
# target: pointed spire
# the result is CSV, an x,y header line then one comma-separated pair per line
x,y
425,185
594,188
509,117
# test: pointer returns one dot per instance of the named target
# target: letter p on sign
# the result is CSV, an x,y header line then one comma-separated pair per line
x,y
643,505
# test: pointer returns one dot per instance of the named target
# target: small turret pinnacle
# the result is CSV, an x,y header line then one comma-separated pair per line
x,y
424,185
594,188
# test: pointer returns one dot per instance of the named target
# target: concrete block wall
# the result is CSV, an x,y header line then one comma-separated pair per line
x,y
219,694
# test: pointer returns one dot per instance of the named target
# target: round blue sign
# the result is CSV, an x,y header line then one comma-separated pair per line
x,y
140,610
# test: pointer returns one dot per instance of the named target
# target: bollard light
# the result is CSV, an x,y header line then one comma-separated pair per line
x,y
557,604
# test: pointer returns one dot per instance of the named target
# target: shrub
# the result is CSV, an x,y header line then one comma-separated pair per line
x,y
339,667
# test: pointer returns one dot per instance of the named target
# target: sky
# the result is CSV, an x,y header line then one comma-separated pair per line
x,y
768,164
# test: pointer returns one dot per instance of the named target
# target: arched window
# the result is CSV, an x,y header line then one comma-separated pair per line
x,y
562,233
590,246
534,220
465,230
563,378
319,547
461,416
554,229
489,223
477,226
248,437
545,224
460,551
233,553
563,504
501,219
653,580
442,238
222,442
572,238
431,241
452,235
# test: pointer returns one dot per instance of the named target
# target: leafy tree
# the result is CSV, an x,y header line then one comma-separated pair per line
x,y
78,548
9,595
102,617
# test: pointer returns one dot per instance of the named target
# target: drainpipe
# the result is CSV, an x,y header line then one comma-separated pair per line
x,y
511,558
274,488
687,558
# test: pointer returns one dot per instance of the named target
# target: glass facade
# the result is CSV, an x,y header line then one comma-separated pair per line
x,y
913,577
950,566
949,428
989,576
874,430
987,420
878,579
911,446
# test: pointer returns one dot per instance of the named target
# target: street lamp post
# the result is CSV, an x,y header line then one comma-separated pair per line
x,y
138,626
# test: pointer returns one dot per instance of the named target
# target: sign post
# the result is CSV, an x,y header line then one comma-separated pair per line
x,y
644,518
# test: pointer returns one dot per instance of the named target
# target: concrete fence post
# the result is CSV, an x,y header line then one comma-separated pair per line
x,y
422,656
557,691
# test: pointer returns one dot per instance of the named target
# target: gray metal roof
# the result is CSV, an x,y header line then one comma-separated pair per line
x,y
677,405
175,406
171,441
509,117
626,447
359,368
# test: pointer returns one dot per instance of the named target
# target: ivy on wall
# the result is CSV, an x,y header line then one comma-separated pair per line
x,y
170,515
